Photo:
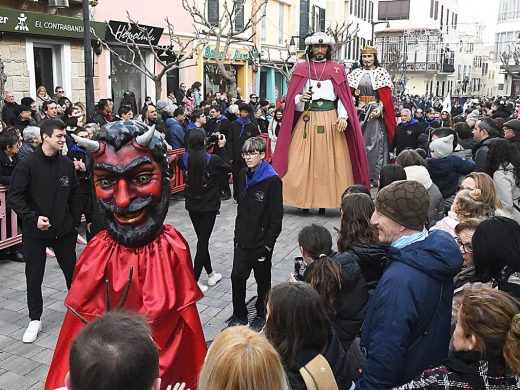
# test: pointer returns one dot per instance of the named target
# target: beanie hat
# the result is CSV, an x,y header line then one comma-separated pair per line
x,y
406,202
442,147
420,174
161,104
513,124
21,108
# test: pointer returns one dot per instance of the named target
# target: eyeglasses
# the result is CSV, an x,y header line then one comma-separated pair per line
x,y
249,154
464,248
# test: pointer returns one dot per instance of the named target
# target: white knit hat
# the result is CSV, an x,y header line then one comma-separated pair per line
x,y
442,147
420,174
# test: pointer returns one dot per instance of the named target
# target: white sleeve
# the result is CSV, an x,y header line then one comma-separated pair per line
x,y
298,106
342,112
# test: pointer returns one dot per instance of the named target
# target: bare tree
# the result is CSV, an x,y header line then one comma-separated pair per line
x,y
233,25
283,63
342,33
180,52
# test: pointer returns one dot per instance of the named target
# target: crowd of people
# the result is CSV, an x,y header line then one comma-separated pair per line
x,y
420,290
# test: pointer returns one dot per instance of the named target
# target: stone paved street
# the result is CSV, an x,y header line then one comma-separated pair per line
x,y
25,366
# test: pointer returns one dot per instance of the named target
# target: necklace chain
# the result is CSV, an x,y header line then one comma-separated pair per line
x,y
316,73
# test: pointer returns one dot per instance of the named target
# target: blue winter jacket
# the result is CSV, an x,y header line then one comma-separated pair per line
x,y
445,172
174,133
404,303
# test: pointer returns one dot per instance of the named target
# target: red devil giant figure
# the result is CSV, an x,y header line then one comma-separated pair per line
x,y
137,263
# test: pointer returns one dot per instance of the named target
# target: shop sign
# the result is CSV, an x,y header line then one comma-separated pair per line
x,y
125,32
34,23
230,55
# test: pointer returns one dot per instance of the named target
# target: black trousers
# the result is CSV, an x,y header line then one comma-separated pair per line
x,y
34,254
223,182
236,167
245,260
203,224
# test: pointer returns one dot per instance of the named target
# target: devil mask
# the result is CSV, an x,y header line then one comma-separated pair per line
x,y
130,174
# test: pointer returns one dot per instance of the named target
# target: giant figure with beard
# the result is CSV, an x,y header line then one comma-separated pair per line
x,y
320,149
137,263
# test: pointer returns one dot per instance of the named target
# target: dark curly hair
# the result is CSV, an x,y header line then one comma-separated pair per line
x,y
501,154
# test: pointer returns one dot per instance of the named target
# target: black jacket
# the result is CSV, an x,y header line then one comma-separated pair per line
x,y
235,141
371,258
259,212
406,136
210,198
353,300
480,152
7,167
515,141
45,186
335,356
8,114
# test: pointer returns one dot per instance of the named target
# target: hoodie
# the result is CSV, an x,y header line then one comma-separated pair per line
x,y
408,320
260,207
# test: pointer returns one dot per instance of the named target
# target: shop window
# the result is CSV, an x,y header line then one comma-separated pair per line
x,y
126,77
214,82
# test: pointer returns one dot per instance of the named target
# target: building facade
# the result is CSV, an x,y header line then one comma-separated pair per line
x,y
507,46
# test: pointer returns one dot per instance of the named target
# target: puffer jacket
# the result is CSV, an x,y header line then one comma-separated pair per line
x,y
508,191
353,299
371,258
465,371
408,320
445,172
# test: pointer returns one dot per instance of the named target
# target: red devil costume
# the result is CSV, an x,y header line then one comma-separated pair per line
x,y
138,263
315,160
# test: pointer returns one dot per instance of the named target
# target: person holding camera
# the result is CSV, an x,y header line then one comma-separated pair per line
x,y
257,227
219,126
336,277
202,198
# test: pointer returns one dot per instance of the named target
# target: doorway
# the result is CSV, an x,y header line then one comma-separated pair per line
x,y
43,68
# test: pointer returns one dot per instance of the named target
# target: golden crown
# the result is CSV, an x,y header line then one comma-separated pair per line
x,y
369,50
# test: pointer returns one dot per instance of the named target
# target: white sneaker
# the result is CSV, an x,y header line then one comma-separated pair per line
x,y
203,287
32,331
214,278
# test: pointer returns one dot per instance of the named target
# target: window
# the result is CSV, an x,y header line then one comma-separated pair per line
x,y
456,21
364,10
509,10
442,15
239,15
281,17
213,14
371,11
263,36
436,13
432,3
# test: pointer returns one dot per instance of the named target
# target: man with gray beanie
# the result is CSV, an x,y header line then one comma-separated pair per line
x,y
407,323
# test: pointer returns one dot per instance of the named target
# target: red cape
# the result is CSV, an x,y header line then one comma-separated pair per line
x,y
163,289
385,95
334,72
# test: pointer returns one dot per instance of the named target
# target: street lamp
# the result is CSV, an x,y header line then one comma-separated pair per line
x,y
89,74
373,24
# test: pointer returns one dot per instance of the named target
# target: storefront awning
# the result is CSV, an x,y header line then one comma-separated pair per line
x,y
35,23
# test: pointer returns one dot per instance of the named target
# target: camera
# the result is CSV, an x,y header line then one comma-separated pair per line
x,y
214,138
299,268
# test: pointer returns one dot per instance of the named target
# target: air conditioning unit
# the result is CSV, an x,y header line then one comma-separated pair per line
x,y
59,3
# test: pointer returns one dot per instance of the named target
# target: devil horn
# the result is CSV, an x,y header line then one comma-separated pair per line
x,y
145,139
90,145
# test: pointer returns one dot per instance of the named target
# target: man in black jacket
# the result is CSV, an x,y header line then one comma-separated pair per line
x,y
44,194
257,227
239,131
8,114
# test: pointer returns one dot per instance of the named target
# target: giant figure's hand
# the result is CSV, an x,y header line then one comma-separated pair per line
x,y
341,124
306,97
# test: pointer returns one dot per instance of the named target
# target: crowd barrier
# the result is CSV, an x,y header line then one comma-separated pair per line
x,y
177,179
11,237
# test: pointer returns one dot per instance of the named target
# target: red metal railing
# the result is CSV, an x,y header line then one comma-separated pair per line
x,y
177,179
11,237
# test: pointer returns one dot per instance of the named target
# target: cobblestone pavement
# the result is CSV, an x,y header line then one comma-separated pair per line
x,y
25,366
